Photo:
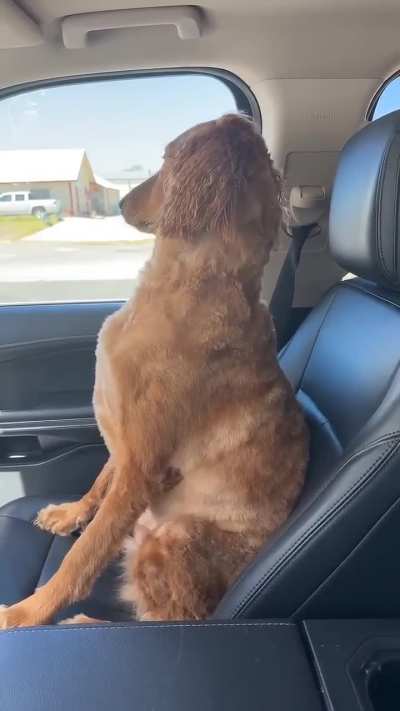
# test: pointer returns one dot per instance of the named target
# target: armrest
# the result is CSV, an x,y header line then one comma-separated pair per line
x,y
210,666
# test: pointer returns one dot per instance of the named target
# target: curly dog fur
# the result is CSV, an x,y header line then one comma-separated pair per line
x,y
208,447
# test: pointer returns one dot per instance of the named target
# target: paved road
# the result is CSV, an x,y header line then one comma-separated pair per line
x,y
58,266
85,229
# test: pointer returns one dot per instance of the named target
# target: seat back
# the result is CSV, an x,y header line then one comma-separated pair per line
x,y
336,555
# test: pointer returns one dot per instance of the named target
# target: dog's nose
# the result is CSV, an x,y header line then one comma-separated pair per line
x,y
121,203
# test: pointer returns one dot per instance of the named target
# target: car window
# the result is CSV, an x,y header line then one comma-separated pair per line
x,y
77,149
5,198
39,194
19,197
388,100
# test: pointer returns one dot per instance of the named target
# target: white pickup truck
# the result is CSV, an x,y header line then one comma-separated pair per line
x,y
37,203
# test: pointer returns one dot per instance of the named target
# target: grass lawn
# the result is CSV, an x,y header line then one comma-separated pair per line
x,y
13,228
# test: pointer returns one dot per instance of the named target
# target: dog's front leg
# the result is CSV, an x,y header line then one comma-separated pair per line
x,y
63,519
98,544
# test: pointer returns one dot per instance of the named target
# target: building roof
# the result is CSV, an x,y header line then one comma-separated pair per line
x,y
40,166
105,183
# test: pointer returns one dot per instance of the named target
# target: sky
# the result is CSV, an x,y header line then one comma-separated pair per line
x,y
121,123
389,100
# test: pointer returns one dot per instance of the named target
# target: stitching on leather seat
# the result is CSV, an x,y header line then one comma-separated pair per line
x,y
378,198
144,626
395,221
389,272
360,287
340,504
336,571
371,445
328,482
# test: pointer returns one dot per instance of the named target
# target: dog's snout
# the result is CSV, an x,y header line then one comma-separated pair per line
x,y
121,203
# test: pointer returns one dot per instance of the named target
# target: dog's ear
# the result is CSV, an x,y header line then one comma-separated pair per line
x,y
216,178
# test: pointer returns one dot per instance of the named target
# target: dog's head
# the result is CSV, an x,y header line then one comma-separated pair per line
x,y
216,179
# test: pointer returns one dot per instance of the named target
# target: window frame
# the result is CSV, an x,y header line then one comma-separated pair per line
x,y
244,98
369,115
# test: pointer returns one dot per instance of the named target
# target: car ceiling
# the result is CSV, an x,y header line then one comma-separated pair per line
x,y
308,55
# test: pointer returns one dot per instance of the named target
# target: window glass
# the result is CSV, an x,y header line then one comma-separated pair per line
x,y
38,194
19,197
77,149
5,198
389,99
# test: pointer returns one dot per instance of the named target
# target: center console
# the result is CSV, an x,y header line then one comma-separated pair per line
x,y
208,666
339,665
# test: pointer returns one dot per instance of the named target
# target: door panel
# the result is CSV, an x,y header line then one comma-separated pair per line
x,y
49,442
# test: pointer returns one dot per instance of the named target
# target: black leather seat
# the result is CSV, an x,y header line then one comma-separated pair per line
x,y
29,557
337,555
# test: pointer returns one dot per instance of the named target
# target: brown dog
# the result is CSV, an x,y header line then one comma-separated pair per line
x,y
208,447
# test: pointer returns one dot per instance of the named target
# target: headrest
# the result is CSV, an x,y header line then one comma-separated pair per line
x,y
364,223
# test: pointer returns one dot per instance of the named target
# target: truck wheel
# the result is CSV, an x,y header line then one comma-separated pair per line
x,y
39,212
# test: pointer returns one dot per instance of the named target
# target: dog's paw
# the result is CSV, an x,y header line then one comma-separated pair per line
x,y
7,619
62,519
16,616
3,616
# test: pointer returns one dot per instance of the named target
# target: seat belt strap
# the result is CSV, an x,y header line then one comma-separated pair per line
x,y
281,304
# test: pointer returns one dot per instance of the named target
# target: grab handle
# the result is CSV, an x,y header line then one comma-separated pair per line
x,y
75,28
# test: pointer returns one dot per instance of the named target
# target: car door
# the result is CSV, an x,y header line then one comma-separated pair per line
x,y
14,207
49,442
59,280
20,204
6,204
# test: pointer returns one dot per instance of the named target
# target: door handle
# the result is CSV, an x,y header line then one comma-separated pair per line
x,y
19,449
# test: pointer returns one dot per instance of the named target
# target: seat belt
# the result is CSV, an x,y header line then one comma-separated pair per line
x,y
281,304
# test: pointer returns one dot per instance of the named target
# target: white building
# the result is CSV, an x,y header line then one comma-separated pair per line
x,y
65,174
